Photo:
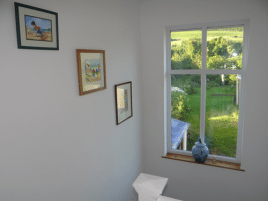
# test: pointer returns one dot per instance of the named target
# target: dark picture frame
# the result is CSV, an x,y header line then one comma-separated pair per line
x,y
91,70
123,102
36,28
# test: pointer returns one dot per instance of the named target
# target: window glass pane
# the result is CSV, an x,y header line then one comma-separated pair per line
x,y
186,49
222,113
185,111
224,47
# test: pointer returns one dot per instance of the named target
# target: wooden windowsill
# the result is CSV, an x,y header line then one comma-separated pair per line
x,y
220,164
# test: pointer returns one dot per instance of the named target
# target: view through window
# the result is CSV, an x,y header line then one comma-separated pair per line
x,y
218,95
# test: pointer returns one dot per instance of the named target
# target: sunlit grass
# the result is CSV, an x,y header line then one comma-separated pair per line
x,y
221,121
221,131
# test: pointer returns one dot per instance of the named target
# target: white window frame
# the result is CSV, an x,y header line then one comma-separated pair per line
x,y
203,72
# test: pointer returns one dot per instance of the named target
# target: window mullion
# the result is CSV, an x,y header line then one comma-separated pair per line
x,y
203,106
204,48
203,84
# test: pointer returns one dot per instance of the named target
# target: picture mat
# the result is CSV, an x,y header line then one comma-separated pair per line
x,y
24,42
121,89
91,85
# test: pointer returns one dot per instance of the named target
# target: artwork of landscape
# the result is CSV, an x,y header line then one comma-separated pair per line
x,y
224,51
38,29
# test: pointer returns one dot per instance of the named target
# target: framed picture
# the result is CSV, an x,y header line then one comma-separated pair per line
x,y
123,101
36,28
91,70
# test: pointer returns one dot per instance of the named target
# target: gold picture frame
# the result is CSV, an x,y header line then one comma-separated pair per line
x,y
91,70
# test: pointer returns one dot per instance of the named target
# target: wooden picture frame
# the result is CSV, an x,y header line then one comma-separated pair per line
x,y
123,102
36,28
91,70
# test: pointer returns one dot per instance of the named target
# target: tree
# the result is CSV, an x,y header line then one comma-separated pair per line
x,y
221,54
217,46
187,55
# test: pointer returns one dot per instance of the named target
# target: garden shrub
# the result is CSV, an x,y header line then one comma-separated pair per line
x,y
179,107
213,81
190,90
235,47
230,79
215,62
182,61
187,55
196,80
217,46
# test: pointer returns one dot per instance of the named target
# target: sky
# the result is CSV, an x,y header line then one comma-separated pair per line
x,y
44,24
93,62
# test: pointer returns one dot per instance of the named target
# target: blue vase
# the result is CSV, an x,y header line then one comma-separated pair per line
x,y
200,151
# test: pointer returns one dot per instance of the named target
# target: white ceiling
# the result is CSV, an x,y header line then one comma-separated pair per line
x,y
150,0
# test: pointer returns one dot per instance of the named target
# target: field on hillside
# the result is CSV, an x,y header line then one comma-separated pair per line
x,y
230,35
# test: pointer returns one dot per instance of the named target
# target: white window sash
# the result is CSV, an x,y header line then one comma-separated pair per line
x,y
203,72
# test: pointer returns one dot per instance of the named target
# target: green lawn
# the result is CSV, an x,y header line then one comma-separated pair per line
x,y
221,121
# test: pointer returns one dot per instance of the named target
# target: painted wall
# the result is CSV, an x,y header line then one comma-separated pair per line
x,y
54,144
187,181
